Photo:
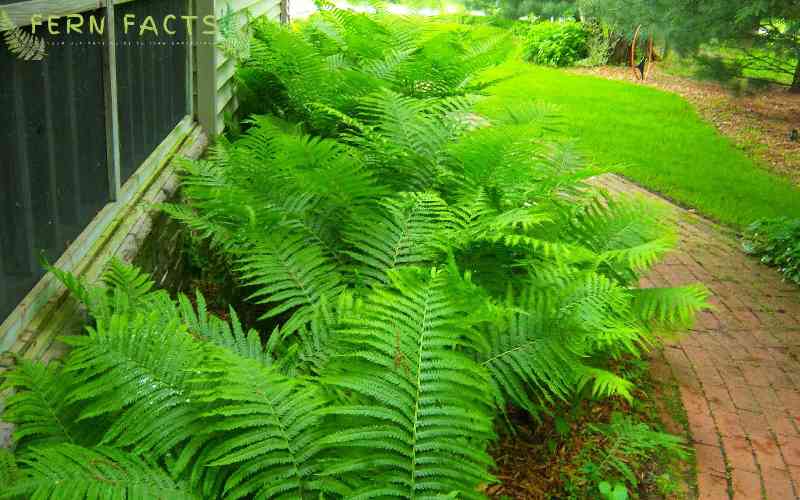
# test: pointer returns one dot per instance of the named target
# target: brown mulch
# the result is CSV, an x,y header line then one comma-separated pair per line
x,y
759,123
532,463
537,462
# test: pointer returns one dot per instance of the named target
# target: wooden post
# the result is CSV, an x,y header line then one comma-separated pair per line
x,y
112,104
190,46
206,59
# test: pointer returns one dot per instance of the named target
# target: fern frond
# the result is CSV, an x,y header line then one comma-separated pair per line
x,y
216,234
512,162
471,214
221,333
127,279
317,343
407,232
631,235
519,218
387,67
413,134
530,359
289,273
641,257
38,406
135,367
604,383
302,71
669,308
541,339
629,441
600,307
270,428
420,412
527,112
66,471
83,293
23,45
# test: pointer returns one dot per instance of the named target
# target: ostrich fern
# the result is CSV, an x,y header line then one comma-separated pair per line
x,y
407,231
66,471
420,269
419,405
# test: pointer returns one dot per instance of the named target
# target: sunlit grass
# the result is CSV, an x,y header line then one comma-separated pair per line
x,y
654,138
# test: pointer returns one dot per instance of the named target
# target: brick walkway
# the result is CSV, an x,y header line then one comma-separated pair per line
x,y
738,371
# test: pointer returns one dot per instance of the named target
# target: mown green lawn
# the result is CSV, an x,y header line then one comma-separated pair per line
x,y
654,138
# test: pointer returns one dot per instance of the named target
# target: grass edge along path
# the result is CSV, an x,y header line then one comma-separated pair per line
x,y
652,137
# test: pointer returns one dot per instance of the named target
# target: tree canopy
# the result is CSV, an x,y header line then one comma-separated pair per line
x,y
767,30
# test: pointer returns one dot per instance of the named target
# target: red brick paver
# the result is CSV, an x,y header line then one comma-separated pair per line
x,y
738,370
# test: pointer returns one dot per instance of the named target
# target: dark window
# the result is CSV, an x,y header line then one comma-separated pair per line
x,y
53,174
151,77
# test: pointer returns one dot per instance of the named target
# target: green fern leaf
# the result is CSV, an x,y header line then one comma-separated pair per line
x,y
127,279
530,358
23,45
604,383
420,413
66,471
290,273
407,232
270,426
631,235
222,333
670,308
136,368
39,406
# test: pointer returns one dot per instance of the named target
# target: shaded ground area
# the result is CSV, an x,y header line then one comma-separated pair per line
x,y
738,371
760,124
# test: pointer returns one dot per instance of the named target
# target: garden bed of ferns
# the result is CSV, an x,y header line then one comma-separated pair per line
x,y
553,454
415,279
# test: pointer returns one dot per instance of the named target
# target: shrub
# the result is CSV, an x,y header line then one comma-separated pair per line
x,y
338,57
777,243
557,43
599,48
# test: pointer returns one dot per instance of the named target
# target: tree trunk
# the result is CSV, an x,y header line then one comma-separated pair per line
x,y
796,82
621,52
284,12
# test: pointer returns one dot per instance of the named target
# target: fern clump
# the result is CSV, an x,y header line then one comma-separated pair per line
x,y
420,268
